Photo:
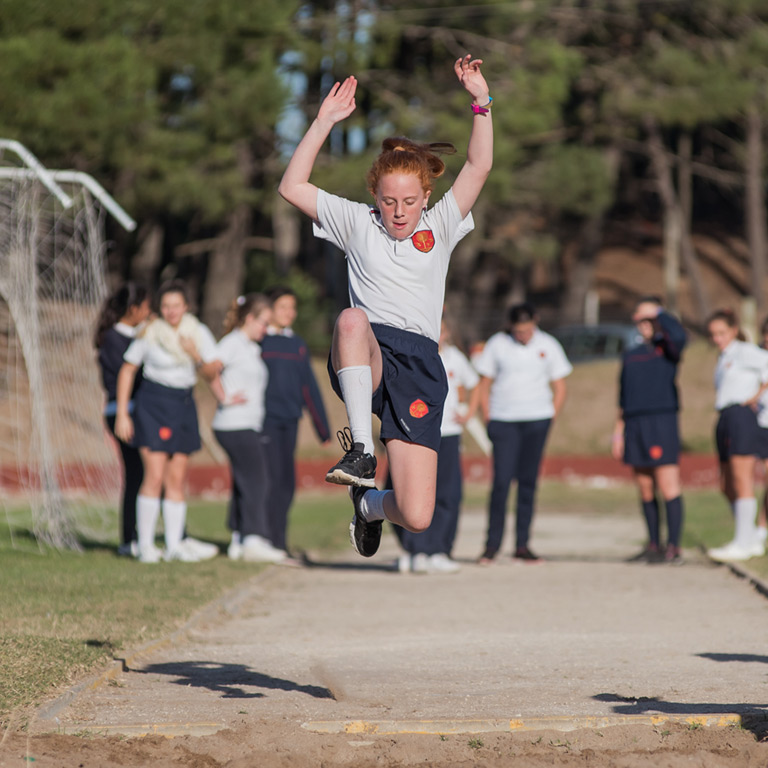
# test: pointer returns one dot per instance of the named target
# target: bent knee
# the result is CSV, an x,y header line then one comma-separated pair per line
x,y
352,320
418,520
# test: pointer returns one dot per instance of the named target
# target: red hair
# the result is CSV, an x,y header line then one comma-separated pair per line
x,y
401,155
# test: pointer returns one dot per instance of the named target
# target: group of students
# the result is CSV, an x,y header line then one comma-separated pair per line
x,y
390,356
150,365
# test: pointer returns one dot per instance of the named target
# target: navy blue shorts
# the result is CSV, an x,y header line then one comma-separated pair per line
x,y
762,442
165,419
409,401
737,432
651,440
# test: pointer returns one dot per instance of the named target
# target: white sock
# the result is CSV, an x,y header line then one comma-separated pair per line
x,y
356,384
745,514
235,537
147,512
372,505
174,519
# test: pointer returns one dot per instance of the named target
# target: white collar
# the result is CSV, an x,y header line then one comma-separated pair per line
x,y
274,331
126,330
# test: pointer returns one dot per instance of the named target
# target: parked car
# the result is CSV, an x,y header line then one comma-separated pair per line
x,y
596,342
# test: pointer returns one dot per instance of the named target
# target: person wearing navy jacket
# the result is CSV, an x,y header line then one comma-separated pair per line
x,y
121,315
646,436
291,389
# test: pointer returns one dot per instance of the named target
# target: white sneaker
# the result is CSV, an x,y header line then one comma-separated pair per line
x,y
235,550
441,563
150,554
203,549
733,552
762,534
404,563
256,549
420,563
183,553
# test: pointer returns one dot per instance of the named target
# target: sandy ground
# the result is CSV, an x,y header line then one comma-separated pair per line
x,y
583,660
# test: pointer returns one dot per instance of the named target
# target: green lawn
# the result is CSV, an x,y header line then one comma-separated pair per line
x,y
63,615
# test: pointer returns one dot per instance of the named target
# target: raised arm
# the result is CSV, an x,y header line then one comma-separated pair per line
x,y
472,176
295,186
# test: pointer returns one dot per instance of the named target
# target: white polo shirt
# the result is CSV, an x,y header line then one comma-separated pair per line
x,y
400,283
742,368
521,375
163,368
245,372
460,374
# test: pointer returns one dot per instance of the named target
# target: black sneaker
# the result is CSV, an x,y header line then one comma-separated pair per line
x,y
357,468
649,555
525,554
365,536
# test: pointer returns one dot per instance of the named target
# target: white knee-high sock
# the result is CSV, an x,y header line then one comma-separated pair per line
x,y
372,505
356,382
745,514
174,519
147,512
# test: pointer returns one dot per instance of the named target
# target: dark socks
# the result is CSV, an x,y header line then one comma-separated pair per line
x,y
651,514
674,520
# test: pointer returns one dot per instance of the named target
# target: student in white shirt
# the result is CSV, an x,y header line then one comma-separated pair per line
x,y
430,551
522,389
164,425
238,426
384,354
741,377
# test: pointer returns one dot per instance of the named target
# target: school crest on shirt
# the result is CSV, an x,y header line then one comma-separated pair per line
x,y
423,240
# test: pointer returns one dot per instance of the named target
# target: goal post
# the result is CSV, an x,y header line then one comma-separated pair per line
x,y
55,457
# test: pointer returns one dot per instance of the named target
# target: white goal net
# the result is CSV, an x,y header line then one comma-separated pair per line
x,y
59,468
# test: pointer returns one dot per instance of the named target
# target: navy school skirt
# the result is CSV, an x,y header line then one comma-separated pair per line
x,y
651,440
165,419
409,401
737,432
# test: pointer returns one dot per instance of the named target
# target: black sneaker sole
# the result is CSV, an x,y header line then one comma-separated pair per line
x,y
340,477
353,540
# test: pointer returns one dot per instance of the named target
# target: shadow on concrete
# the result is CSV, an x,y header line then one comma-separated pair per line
x,y
743,657
230,680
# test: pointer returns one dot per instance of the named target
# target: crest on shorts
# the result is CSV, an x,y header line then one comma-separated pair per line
x,y
423,240
165,433
656,452
418,409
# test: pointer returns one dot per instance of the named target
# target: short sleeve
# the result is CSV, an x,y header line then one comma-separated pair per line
x,y
207,344
485,364
559,365
468,377
445,217
225,351
337,218
136,352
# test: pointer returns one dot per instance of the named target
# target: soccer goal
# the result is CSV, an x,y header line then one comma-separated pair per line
x,y
57,462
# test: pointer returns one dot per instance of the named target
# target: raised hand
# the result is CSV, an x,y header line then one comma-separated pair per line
x,y
468,71
339,103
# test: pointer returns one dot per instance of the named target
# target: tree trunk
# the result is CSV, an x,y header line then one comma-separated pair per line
x,y
581,274
287,239
673,216
145,265
755,208
226,269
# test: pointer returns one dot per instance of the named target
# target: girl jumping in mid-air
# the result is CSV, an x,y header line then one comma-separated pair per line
x,y
384,356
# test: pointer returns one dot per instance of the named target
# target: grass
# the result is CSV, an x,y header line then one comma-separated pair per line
x,y
63,614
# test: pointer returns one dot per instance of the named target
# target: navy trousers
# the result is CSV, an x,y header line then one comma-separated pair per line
x,y
281,447
517,450
247,453
133,476
441,534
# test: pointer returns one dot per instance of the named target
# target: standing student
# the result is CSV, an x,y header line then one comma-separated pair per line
x,y
646,435
741,377
762,420
292,388
384,353
121,316
522,389
164,426
430,551
238,425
